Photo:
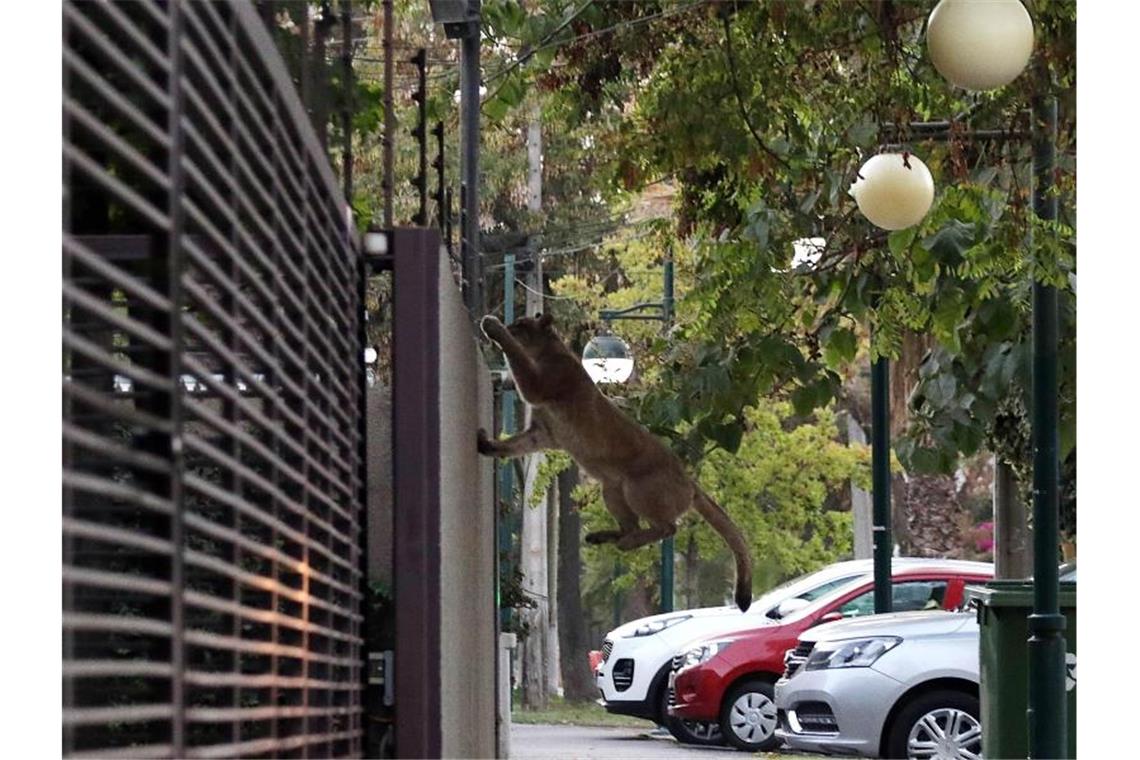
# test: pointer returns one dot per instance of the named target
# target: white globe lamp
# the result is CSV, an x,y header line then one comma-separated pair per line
x,y
893,190
979,44
607,359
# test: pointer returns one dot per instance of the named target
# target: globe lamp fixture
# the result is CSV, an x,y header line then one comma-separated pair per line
x,y
893,190
607,359
979,44
375,242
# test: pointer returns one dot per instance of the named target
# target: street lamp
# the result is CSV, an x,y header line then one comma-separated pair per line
x,y
979,44
893,190
375,242
983,46
662,312
607,359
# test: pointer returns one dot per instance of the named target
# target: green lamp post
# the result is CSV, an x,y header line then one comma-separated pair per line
x,y
622,367
982,46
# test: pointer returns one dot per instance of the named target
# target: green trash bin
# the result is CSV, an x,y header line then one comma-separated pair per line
x,y
1004,659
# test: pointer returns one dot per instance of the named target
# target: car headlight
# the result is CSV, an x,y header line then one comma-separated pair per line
x,y
705,652
657,626
857,653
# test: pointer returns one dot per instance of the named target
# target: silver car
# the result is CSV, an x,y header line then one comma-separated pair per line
x,y
901,685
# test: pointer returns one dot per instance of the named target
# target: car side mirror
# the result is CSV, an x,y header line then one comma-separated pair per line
x,y
788,606
830,617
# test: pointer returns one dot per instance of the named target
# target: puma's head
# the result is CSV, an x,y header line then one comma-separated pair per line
x,y
536,333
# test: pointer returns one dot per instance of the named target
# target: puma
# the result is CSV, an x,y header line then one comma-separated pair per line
x,y
641,479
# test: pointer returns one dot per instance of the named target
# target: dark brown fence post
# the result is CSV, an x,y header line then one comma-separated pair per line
x,y
416,404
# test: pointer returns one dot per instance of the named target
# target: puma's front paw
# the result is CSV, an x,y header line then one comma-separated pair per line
x,y
492,327
484,442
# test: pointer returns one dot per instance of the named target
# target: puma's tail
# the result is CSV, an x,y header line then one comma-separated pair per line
x,y
722,524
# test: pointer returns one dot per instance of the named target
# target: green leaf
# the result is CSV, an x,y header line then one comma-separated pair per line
x,y
900,241
998,317
951,242
495,109
728,435
840,347
803,400
512,92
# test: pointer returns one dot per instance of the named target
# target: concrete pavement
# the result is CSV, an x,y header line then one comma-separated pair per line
x,y
550,742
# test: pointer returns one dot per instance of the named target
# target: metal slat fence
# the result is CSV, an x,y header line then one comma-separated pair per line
x,y
212,397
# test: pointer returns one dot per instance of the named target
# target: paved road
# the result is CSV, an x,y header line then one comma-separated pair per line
x,y
544,742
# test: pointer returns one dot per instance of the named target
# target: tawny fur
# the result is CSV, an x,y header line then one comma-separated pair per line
x,y
641,479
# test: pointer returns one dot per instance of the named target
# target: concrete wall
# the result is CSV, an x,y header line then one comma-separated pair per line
x,y
467,536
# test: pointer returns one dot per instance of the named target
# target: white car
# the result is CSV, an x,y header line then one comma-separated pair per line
x,y
897,685
637,656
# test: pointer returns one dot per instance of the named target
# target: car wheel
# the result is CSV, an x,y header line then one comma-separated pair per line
x,y
689,731
937,724
748,716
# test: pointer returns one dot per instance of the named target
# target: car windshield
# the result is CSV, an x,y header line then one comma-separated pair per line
x,y
808,587
829,598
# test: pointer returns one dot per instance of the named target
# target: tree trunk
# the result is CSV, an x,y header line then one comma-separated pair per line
x,y
577,680
638,601
535,551
535,690
553,648
1013,547
692,573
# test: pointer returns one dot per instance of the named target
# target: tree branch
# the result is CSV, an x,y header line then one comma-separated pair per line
x,y
740,99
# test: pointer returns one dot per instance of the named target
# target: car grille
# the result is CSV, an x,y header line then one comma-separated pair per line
x,y
816,718
795,658
607,647
678,661
623,674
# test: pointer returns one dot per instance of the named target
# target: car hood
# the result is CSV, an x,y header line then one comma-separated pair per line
x,y
747,619
905,624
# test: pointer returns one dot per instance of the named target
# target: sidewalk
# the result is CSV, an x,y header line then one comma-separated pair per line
x,y
560,742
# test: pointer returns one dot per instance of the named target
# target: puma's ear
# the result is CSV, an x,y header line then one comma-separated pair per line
x,y
545,320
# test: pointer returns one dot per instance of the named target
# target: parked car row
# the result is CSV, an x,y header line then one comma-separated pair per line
x,y
809,665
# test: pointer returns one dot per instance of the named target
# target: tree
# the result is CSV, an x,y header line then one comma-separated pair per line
x,y
761,114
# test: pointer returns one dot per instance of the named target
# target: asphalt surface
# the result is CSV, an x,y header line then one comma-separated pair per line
x,y
546,742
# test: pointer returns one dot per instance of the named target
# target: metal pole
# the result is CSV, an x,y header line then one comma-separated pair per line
x,y
441,187
1047,711
469,158
420,133
346,115
881,481
506,466
667,546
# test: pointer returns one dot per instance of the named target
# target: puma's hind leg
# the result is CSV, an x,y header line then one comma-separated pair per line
x,y
639,538
660,501
617,506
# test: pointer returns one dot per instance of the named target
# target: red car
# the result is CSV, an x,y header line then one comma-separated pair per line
x,y
727,681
